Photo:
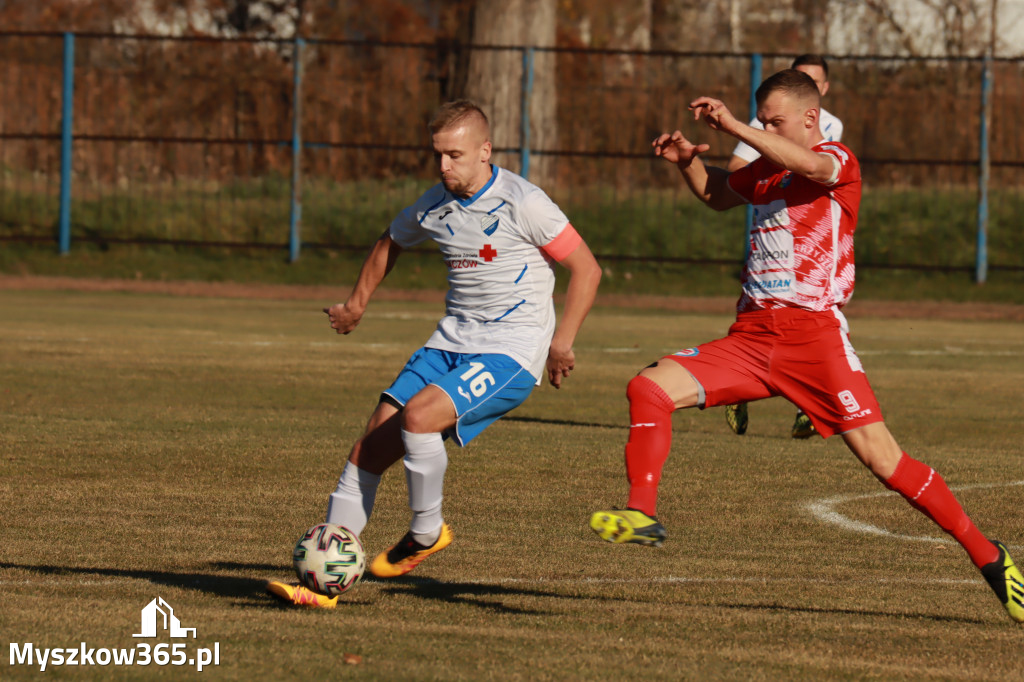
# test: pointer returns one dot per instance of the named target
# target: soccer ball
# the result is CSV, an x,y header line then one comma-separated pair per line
x,y
329,559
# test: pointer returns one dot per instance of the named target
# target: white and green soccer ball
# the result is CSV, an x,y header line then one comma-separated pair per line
x,y
329,559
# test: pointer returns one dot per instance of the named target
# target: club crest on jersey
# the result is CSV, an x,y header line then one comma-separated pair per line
x,y
687,352
489,224
787,178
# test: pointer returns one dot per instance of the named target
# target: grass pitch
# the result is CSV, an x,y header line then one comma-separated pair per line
x,y
176,447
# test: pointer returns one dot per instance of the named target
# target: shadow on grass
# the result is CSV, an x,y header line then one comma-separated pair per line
x,y
783,608
250,590
477,594
561,422
489,597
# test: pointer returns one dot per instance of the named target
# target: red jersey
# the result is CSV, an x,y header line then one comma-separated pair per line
x,y
801,239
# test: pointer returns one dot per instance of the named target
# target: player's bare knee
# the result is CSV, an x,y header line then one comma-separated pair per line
x,y
429,411
414,421
422,417
875,447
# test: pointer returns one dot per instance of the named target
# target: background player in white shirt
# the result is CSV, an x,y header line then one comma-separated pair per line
x,y
500,237
815,66
831,127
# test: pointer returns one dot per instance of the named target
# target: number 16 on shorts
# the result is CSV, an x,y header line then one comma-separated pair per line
x,y
483,388
477,381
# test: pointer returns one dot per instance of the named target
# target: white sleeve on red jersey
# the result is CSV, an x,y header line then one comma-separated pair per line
x,y
845,167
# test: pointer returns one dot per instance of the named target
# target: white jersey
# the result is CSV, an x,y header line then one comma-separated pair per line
x,y
831,130
500,283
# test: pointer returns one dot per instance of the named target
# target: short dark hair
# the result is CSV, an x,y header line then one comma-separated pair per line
x,y
811,60
452,113
790,82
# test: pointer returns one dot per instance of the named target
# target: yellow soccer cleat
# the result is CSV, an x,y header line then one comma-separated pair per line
x,y
1006,581
301,596
802,426
628,525
736,417
407,554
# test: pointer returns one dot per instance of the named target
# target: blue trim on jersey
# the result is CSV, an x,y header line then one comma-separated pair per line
x,y
507,312
450,230
469,201
427,212
520,275
496,208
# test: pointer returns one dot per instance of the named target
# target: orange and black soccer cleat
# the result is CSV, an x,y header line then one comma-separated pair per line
x,y
401,558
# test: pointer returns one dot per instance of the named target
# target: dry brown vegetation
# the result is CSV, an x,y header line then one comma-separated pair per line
x,y
910,121
176,446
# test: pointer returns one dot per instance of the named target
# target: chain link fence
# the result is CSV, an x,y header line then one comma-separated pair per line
x,y
218,142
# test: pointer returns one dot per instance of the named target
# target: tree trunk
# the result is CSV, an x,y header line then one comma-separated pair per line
x,y
495,79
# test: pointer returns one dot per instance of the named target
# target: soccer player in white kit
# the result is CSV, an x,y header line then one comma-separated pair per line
x,y
500,237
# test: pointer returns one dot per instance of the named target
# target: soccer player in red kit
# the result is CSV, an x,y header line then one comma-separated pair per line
x,y
790,338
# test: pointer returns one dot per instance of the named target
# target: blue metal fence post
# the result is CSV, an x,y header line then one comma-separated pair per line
x,y
64,226
294,240
524,134
981,258
755,80
756,69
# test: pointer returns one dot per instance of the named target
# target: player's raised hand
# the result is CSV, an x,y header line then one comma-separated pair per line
x,y
714,111
561,361
343,318
677,149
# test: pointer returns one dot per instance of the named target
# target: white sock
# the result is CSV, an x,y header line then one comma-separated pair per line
x,y
351,504
425,463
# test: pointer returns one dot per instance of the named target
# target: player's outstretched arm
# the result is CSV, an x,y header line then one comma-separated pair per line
x,y
584,276
708,183
791,156
345,316
774,148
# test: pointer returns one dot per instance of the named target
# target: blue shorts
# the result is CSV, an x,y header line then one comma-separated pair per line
x,y
482,386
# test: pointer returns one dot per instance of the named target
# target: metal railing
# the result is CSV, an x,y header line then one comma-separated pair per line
x,y
297,120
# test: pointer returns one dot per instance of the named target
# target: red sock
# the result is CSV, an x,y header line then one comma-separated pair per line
x,y
926,491
650,437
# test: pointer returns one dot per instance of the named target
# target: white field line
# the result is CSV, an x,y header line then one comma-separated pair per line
x,y
824,510
309,344
959,352
681,580
53,580
407,316
948,352
657,580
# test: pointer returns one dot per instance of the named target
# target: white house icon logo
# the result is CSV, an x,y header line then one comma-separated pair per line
x,y
170,621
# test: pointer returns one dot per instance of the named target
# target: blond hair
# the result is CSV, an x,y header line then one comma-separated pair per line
x,y
451,114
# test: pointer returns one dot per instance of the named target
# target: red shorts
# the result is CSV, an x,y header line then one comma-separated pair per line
x,y
801,355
